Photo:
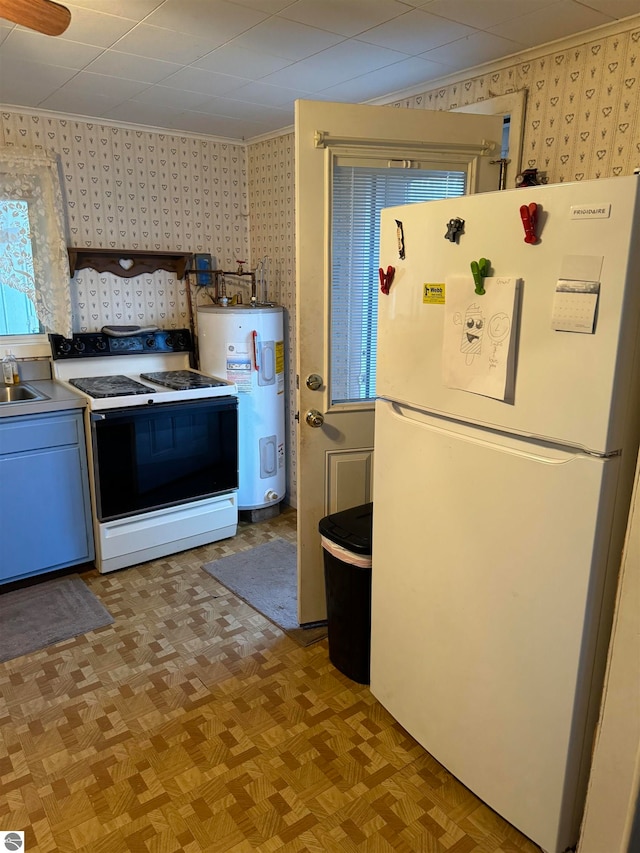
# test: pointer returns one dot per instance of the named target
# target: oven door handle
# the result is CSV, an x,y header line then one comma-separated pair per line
x,y
129,413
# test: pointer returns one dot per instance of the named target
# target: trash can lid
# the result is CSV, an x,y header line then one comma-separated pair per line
x,y
350,528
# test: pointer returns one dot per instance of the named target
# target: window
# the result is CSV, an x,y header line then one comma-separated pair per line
x,y
17,279
359,194
35,294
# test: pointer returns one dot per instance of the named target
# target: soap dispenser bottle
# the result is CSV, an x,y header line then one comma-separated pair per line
x,y
10,375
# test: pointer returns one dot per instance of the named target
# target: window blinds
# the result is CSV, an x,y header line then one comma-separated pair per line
x,y
359,194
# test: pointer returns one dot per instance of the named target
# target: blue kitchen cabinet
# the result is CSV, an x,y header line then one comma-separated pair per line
x,y
45,515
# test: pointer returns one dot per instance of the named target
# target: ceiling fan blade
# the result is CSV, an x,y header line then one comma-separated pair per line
x,y
44,16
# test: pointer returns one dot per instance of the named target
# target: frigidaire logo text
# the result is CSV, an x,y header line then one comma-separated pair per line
x,y
589,211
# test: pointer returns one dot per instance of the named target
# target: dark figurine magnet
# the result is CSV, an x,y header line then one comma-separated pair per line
x,y
455,227
400,233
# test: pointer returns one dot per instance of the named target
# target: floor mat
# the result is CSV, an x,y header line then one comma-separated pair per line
x,y
265,577
46,613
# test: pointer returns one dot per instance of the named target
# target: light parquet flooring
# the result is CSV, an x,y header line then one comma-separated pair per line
x,y
193,724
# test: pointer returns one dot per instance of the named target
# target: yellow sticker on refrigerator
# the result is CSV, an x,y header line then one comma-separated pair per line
x,y
433,294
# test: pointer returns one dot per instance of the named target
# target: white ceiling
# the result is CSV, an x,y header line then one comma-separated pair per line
x,y
233,68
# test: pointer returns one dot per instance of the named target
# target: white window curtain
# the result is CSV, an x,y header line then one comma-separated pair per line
x,y
33,254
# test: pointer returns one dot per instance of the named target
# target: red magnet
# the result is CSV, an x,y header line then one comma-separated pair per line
x,y
386,278
529,216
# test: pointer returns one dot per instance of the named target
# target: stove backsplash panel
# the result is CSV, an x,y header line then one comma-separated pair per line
x,y
102,299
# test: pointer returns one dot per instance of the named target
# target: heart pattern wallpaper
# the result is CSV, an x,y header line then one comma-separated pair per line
x,y
582,106
139,189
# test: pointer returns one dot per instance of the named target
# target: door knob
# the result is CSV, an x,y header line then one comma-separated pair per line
x,y
314,382
314,418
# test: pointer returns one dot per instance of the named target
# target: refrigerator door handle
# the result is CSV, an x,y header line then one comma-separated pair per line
x,y
503,442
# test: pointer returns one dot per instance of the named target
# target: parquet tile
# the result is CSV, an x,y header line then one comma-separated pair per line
x,y
194,725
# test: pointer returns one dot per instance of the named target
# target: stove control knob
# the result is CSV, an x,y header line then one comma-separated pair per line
x,y
79,346
151,343
101,345
65,347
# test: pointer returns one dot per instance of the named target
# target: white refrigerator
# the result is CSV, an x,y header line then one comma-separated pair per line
x,y
499,515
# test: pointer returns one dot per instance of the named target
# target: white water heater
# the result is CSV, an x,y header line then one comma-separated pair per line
x,y
246,345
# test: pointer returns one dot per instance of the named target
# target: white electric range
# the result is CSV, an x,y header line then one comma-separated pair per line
x,y
162,442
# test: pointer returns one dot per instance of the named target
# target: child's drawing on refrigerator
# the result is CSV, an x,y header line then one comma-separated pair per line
x,y
478,341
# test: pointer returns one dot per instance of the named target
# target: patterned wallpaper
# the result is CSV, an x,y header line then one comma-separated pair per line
x,y
272,220
582,106
134,189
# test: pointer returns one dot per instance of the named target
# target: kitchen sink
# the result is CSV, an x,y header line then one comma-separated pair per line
x,y
20,394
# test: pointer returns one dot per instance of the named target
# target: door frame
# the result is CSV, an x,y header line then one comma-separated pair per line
x,y
512,104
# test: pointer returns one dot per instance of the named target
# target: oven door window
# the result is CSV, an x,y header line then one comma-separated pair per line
x,y
157,456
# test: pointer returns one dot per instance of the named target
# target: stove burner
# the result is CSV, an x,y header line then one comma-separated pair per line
x,y
182,380
109,386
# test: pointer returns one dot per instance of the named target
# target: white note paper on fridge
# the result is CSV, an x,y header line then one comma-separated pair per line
x,y
478,353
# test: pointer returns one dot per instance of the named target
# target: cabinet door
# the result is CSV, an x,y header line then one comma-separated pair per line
x,y
44,510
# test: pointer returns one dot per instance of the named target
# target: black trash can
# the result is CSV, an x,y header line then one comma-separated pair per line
x,y
346,542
